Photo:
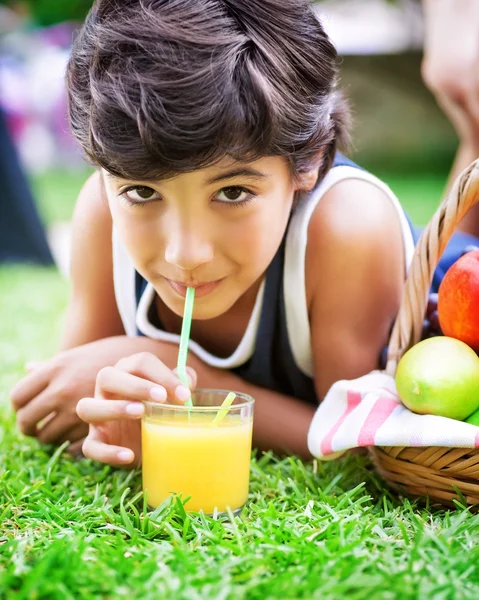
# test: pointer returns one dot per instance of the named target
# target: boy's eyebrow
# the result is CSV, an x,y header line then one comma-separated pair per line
x,y
242,172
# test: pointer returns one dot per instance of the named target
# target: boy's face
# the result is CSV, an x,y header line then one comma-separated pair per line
x,y
216,229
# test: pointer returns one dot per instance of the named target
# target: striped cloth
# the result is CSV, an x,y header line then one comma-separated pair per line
x,y
367,412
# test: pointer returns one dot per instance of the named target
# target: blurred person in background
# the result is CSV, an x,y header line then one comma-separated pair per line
x,y
22,237
450,69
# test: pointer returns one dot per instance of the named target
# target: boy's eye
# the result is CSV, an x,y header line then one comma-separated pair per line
x,y
140,194
234,195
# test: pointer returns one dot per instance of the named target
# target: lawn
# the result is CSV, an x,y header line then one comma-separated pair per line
x,y
79,530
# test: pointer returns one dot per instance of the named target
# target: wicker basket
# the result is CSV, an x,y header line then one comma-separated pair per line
x,y
435,472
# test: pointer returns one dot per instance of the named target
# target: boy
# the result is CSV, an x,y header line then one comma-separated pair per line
x,y
214,126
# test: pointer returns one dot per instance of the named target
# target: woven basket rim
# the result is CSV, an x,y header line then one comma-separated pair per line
x,y
443,474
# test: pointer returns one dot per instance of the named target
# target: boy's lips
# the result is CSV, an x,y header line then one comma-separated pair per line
x,y
201,289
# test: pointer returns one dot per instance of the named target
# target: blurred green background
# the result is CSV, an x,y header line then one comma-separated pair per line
x,y
50,12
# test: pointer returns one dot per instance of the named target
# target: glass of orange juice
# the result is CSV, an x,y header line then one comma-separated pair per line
x,y
186,452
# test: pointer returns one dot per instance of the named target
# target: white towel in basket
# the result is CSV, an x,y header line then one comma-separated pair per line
x,y
367,412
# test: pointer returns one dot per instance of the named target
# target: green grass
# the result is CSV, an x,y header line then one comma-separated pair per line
x,y
80,530
420,194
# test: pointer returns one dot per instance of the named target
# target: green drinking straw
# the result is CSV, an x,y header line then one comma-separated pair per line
x,y
184,339
221,414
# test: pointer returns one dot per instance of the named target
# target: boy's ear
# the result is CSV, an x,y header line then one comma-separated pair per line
x,y
307,180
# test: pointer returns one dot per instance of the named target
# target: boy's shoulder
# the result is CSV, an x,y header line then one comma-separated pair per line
x,y
91,231
92,199
351,208
355,221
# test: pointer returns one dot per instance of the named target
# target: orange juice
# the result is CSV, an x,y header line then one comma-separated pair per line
x,y
184,454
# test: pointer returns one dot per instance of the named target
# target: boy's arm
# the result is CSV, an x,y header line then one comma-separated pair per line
x,y
51,389
92,312
281,423
355,273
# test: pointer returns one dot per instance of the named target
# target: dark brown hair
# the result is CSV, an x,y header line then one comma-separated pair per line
x,y
160,87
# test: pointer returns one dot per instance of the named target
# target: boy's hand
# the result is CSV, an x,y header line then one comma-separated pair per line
x,y
114,413
45,399
450,65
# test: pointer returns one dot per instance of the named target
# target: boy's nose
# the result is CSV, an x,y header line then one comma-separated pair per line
x,y
188,251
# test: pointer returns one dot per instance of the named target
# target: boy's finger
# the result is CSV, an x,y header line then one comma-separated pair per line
x,y
30,386
148,366
112,382
95,410
36,411
61,428
192,377
111,455
75,449
76,435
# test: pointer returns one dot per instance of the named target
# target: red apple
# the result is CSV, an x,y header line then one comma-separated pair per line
x,y
458,300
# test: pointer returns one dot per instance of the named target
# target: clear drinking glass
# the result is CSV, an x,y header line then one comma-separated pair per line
x,y
186,452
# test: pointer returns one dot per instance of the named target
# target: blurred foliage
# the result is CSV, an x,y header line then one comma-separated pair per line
x,y
50,12
398,126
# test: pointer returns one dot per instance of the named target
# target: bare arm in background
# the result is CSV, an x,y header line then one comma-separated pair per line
x,y
450,70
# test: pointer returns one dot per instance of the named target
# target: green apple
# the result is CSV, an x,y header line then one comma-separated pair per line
x,y
439,376
474,418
